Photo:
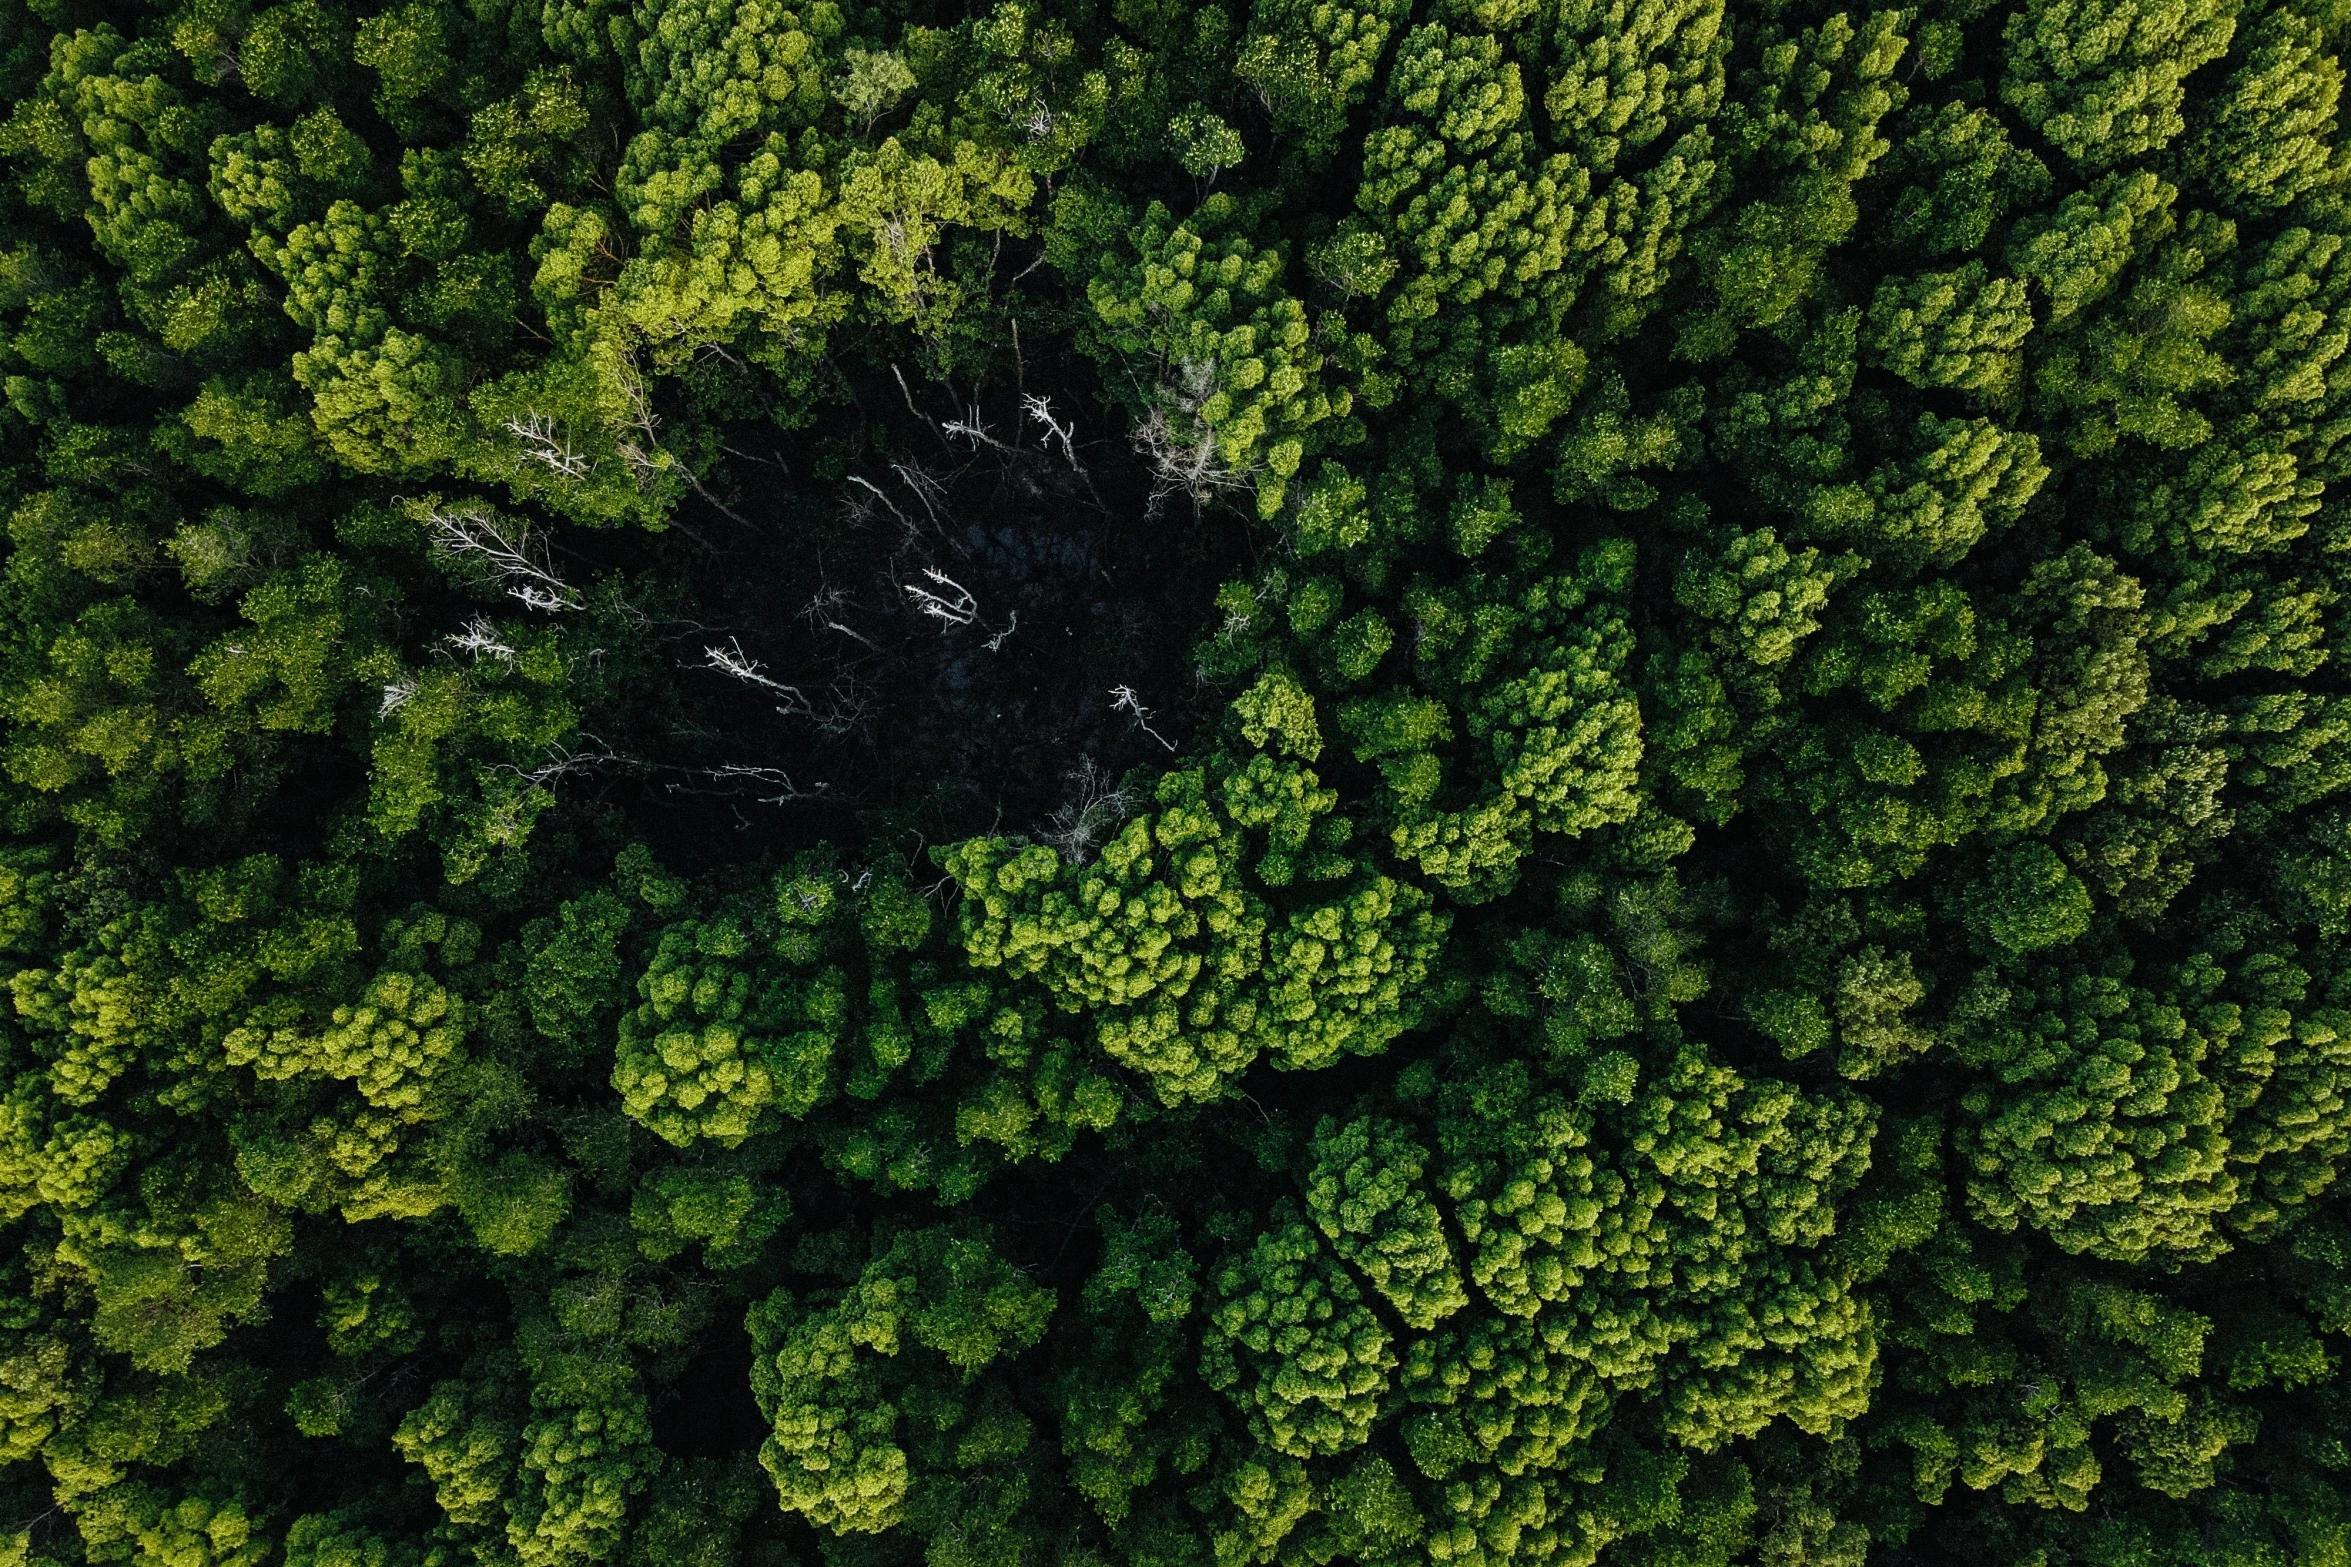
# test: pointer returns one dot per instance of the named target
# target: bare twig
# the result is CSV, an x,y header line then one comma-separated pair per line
x,y
509,552
819,612
541,441
1124,700
1042,252
1041,410
1177,442
961,609
973,428
480,638
866,484
1096,808
562,762
924,488
774,778
907,392
713,502
732,660
1185,460
844,712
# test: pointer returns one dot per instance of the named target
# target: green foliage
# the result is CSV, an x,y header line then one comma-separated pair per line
x,y
821,1381
1169,941
1228,354
2105,86
1291,1342
1625,721
688,1066
1363,1196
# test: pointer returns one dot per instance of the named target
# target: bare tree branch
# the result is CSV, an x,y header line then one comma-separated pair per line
x,y
1097,808
973,428
1041,410
774,778
959,610
866,484
1124,700
847,708
480,638
516,558
541,441
819,612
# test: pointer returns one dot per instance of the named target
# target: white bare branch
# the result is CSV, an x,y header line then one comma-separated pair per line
x,y
1097,807
955,608
1238,620
996,642
971,427
542,441
562,762
926,489
397,695
732,660
642,467
774,778
821,612
517,558
1124,700
480,638
640,415
1041,410
866,484
845,711
1185,458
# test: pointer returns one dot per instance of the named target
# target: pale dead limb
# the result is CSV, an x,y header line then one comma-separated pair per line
x,y
845,711
712,501
819,612
479,638
732,660
646,457
1182,450
1184,461
1124,700
774,778
866,484
397,695
1238,620
541,441
961,609
973,428
563,762
1041,410
1097,808
514,556
996,642
925,488
895,236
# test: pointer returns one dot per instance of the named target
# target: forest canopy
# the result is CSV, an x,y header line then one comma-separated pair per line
x,y
1174,783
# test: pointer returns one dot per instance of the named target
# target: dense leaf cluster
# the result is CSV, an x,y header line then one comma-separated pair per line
x,y
1257,783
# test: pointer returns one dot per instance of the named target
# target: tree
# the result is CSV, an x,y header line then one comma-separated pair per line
x,y
1624,720
2106,87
